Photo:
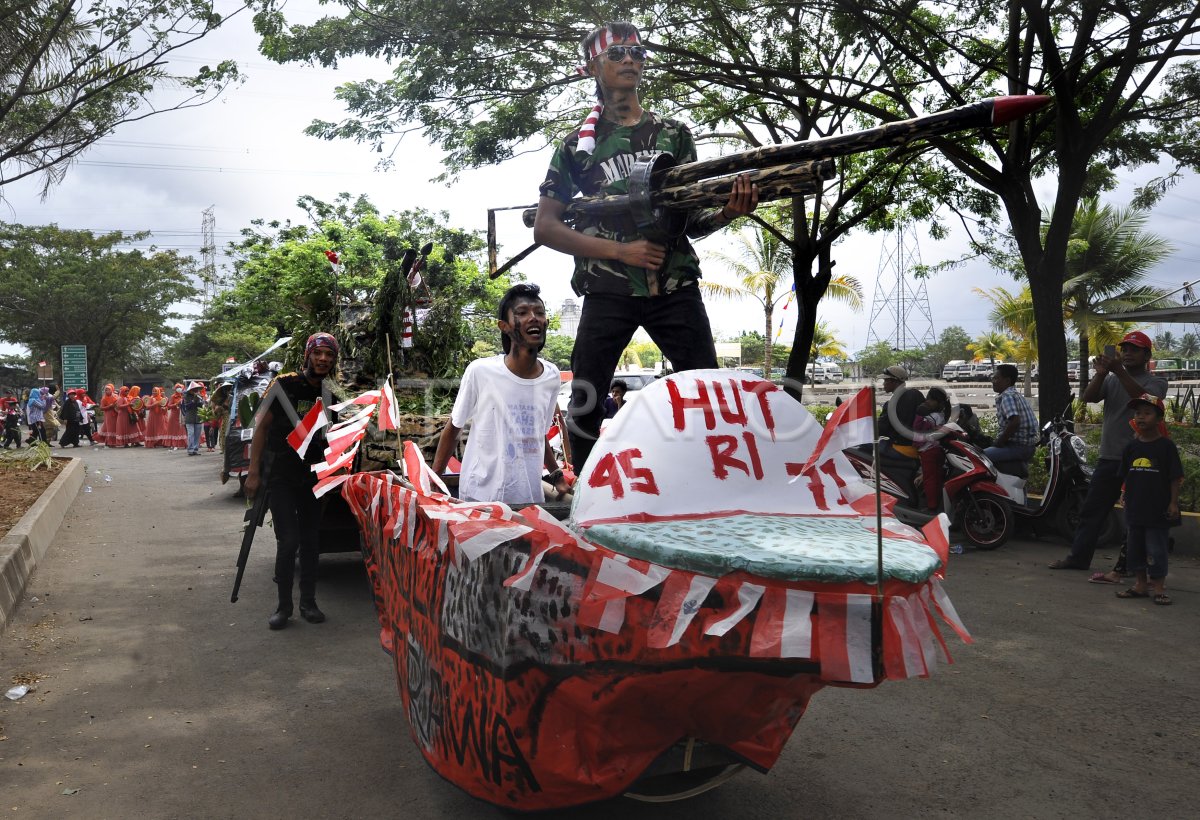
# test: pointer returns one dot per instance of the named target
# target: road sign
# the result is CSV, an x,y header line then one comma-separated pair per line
x,y
74,367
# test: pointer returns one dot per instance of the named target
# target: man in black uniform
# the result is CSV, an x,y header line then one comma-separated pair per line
x,y
295,511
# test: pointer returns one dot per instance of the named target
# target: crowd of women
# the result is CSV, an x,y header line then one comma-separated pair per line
x,y
122,418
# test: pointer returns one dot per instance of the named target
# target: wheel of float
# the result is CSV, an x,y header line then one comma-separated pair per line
x,y
688,782
667,788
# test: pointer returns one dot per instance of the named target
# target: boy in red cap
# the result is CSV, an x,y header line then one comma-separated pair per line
x,y
1117,381
1153,475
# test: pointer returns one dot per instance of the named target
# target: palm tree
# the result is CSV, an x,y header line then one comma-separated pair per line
x,y
1164,342
1189,345
991,346
1013,312
763,267
826,344
1108,255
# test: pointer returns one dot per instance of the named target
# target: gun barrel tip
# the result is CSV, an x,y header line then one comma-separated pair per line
x,y
1007,109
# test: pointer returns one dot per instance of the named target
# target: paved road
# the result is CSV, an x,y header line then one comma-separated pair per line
x,y
159,699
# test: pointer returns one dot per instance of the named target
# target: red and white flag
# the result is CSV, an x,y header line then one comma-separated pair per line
x,y
389,413
302,436
852,423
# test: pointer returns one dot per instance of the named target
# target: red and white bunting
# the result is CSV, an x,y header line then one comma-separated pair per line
x,y
338,442
302,436
324,469
946,609
476,538
550,535
903,648
681,597
844,637
783,626
617,578
326,484
370,397
735,610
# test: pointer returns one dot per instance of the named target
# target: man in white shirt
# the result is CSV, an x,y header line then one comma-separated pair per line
x,y
509,400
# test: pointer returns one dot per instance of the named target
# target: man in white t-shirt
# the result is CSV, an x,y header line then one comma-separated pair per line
x,y
509,400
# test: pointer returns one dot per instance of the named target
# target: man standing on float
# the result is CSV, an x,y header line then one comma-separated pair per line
x,y
626,280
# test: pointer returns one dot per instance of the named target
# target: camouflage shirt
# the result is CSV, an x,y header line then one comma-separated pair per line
x,y
605,172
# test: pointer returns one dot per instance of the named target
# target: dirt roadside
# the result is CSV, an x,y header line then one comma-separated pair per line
x,y
158,698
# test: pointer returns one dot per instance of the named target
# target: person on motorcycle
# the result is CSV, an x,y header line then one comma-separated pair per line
x,y
898,455
932,414
896,417
1118,380
1018,435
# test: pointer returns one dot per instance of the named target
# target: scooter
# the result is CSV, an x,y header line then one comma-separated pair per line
x,y
973,497
1067,478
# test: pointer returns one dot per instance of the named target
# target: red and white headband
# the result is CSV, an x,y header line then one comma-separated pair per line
x,y
587,131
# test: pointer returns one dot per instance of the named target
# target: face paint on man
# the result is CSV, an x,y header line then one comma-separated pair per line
x,y
526,325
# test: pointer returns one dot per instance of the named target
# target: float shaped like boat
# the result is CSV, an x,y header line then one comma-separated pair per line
x,y
720,565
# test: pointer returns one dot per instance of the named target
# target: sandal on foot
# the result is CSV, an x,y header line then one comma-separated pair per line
x,y
1162,599
1132,593
1102,578
1064,563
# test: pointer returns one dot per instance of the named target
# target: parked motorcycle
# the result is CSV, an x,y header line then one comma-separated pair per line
x,y
1067,478
973,496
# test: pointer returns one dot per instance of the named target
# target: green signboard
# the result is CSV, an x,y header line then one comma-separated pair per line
x,y
74,367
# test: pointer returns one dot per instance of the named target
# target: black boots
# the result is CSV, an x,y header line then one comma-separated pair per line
x,y
279,619
309,611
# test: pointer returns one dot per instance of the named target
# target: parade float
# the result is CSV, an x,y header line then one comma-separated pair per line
x,y
721,563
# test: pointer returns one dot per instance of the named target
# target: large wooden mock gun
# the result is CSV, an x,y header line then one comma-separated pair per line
x,y
661,192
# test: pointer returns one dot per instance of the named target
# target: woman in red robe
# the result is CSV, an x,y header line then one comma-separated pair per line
x,y
122,431
156,418
137,412
174,433
108,424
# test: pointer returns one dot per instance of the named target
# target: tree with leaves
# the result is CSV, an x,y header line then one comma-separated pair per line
x,y
826,344
1126,92
54,280
1189,345
73,71
1109,255
284,285
495,79
951,344
992,345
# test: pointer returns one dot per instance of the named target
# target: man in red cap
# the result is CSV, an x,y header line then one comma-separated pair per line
x,y
295,511
1118,380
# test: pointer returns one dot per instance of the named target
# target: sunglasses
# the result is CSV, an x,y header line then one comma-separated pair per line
x,y
636,53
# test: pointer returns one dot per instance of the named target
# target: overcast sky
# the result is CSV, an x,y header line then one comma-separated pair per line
x,y
246,155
